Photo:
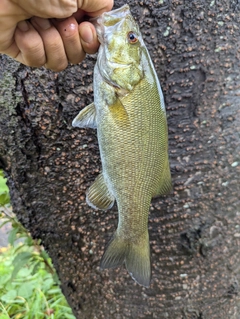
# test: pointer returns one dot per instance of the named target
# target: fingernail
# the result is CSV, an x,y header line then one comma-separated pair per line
x,y
86,34
23,26
42,23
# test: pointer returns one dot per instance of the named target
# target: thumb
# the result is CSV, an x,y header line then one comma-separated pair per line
x,y
95,7
48,8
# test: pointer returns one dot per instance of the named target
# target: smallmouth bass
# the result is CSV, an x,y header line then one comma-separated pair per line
x,y
129,114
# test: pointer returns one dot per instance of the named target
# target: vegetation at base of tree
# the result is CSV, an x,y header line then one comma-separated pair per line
x,y
29,286
4,192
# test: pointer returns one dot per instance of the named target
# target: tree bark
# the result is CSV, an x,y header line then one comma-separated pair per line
x,y
195,231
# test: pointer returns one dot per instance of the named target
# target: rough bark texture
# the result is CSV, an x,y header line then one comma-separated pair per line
x,y
195,231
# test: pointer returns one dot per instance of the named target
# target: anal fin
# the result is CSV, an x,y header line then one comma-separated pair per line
x,y
86,117
98,195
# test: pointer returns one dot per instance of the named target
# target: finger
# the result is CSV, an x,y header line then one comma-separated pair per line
x,y
68,30
88,37
79,15
56,58
95,7
28,47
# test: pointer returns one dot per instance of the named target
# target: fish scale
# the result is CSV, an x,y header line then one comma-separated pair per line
x,y
129,114
142,167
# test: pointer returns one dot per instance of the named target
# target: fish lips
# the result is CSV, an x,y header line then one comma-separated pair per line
x,y
108,20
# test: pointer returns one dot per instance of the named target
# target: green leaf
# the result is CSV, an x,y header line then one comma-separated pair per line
x,y
53,291
4,222
3,185
23,256
47,284
12,236
26,289
56,279
36,268
68,316
19,261
9,296
19,301
4,199
25,272
4,191
44,255
18,248
4,279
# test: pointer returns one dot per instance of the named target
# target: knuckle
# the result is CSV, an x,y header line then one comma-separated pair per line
x,y
67,28
33,47
57,67
77,59
36,64
34,56
90,48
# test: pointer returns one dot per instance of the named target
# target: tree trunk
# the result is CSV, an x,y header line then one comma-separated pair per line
x,y
195,231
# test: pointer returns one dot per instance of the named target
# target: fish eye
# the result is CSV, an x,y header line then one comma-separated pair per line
x,y
132,37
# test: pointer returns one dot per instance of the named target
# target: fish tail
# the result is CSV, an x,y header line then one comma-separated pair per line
x,y
135,254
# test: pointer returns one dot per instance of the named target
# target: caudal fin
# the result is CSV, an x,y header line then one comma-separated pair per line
x,y
136,256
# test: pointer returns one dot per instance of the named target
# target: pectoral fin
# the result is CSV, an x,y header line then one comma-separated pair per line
x,y
98,195
86,117
119,113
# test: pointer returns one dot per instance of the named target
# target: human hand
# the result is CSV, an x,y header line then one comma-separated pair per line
x,y
31,34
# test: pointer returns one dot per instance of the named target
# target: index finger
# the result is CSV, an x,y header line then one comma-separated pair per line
x,y
95,7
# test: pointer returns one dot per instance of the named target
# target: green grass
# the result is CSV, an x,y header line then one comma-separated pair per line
x,y
29,286
30,294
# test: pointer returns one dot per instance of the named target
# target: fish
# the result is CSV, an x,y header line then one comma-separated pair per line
x,y
130,117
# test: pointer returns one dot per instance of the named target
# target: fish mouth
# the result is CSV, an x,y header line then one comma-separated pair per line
x,y
109,19
111,16
119,12
98,24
